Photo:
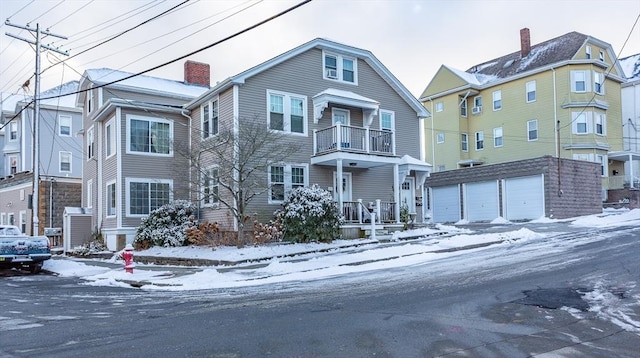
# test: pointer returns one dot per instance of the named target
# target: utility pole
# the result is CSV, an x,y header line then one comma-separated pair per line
x,y
36,111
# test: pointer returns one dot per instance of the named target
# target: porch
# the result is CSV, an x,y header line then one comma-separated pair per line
x,y
356,212
629,165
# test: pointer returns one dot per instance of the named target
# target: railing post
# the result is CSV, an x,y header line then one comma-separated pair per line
x,y
378,201
315,141
373,226
367,139
393,142
338,137
359,211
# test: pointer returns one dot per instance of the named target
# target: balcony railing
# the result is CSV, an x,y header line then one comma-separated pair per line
x,y
355,212
354,140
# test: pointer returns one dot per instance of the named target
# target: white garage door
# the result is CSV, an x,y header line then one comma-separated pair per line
x,y
446,204
481,201
524,198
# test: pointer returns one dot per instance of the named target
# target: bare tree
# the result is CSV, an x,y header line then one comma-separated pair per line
x,y
241,160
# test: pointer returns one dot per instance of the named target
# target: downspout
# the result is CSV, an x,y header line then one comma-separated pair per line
x,y
190,126
555,114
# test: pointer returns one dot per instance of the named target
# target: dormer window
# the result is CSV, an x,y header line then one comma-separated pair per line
x,y
601,55
340,68
588,52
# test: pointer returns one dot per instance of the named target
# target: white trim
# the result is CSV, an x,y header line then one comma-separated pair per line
x,y
89,193
129,180
110,143
108,201
209,134
335,110
202,187
68,123
501,136
287,112
465,141
529,129
340,58
150,120
287,172
119,175
236,150
348,195
496,97
476,140
528,90
392,114
60,155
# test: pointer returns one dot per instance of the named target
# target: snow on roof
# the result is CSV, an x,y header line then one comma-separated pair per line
x,y
345,94
9,101
407,159
631,67
107,75
539,52
50,96
473,78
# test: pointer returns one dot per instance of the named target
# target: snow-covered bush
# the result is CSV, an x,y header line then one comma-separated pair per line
x,y
166,225
310,214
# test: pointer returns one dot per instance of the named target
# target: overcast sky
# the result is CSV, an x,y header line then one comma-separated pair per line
x,y
411,38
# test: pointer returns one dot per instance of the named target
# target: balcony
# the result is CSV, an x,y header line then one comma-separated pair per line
x,y
343,138
355,212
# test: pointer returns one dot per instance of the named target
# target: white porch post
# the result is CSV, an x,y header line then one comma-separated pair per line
x,y
396,191
339,184
631,174
339,140
315,141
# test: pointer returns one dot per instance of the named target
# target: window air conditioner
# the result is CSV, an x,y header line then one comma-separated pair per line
x,y
331,73
476,110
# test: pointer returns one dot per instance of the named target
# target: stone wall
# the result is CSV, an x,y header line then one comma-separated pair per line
x,y
63,194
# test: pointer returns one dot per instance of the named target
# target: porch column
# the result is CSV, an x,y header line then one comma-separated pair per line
x,y
396,191
339,184
631,173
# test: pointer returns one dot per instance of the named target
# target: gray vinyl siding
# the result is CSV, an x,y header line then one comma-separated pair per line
x,y
150,166
302,75
109,93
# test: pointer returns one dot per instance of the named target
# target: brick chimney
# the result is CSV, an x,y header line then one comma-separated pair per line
x,y
197,73
525,42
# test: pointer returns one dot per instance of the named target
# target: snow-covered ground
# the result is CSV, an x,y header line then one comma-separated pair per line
x,y
291,262
304,262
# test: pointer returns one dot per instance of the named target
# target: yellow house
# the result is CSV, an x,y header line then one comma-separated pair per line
x,y
561,98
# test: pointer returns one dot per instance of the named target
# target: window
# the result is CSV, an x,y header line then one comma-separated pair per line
x,y
581,123
89,203
90,143
287,112
598,82
13,164
387,120
3,218
146,195
149,135
579,81
531,91
479,140
601,55
532,130
603,160
23,221
464,141
111,199
64,128
110,140
440,137
439,106
11,218
209,119
477,105
497,137
210,186
588,52
89,101
283,178
340,68
13,130
65,162
497,100
601,124
463,107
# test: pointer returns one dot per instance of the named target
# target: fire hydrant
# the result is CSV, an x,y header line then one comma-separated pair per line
x,y
127,255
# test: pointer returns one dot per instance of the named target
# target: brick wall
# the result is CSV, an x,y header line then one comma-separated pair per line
x,y
572,187
63,194
197,73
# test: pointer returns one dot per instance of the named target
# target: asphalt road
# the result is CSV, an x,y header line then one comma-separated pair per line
x,y
526,301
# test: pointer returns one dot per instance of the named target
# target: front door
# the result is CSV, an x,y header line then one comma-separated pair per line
x,y
407,194
346,187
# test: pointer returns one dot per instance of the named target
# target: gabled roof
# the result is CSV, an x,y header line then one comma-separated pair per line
x,y
542,56
55,97
141,83
320,43
556,50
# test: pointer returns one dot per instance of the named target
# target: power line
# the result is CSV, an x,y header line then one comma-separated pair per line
x,y
47,11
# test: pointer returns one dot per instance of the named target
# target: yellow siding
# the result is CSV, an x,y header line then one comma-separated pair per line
x,y
444,80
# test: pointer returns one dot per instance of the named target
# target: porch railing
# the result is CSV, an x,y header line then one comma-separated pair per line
x,y
355,212
353,139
